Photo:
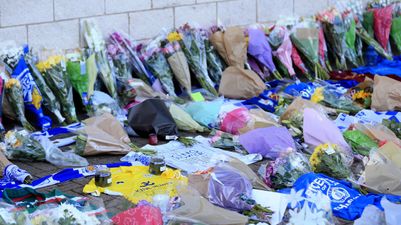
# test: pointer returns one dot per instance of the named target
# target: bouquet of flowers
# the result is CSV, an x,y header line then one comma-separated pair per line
x,y
311,208
227,141
370,41
177,61
137,63
14,58
335,32
49,99
159,66
329,159
193,46
383,17
96,43
280,37
9,215
215,65
20,146
361,143
56,77
297,60
13,92
230,188
120,57
1,103
260,49
64,214
77,74
285,170
330,96
305,38
393,126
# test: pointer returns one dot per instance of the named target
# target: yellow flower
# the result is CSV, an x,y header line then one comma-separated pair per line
x,y
12,82
174,36
36,98
317,95
361,95
51,61
12,139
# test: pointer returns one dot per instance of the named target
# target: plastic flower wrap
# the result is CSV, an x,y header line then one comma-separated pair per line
x,y
229,188
260,49
49,99
313,208
9,215
284,48
285,170
178,61
395,33
1,103
137,64
56,77
215,65
298,62
14,94
193,46
305,38
369,40
329,159
159,66
77,74
360,142
20,146
66,214
334,97
382,25
120,56
96,43
335,32
14,59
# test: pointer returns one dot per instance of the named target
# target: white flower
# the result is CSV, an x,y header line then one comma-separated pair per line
x,y
320,201
81,218
295,197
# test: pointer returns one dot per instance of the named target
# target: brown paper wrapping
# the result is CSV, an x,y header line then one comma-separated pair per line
x,y
378,132
386,94
179,65
259,119
217,40
236,82
105,135
239,83
382,175
392,152
199,208
299,104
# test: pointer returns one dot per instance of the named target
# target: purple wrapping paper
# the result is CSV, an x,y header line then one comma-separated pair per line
x,y
226,185
269,141
318,129
260,49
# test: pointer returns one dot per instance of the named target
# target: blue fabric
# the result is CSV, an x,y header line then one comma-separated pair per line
x,y
384,67
346,202
305,90
22,73
344,83
263,101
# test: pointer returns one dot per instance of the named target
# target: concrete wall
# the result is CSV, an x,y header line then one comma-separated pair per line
x,y
56,23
